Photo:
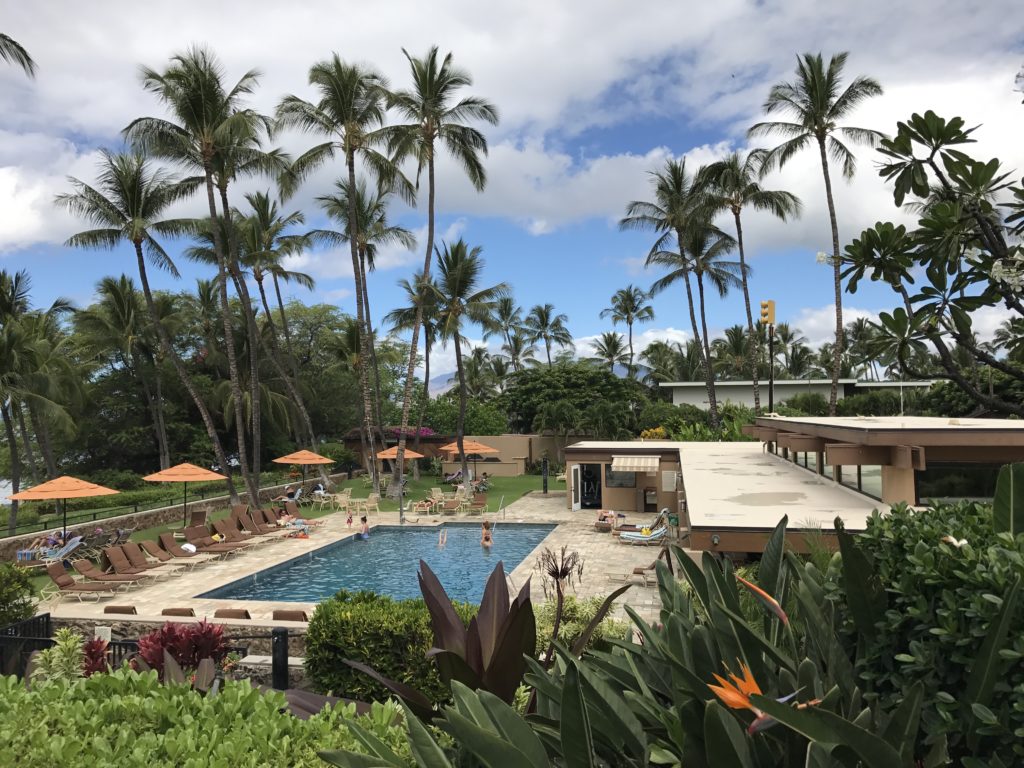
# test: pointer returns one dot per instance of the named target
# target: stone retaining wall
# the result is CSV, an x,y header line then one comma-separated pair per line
x,y
152,517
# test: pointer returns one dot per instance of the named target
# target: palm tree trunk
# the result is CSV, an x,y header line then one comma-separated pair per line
x,y
837,352
161,427
547,350
183,375
30,456
372,345
285,329
460,426
234,381
410,370
147,395
252,333
43,436
12,446
423,405
705,359
707,346
630,327
754,352
364,379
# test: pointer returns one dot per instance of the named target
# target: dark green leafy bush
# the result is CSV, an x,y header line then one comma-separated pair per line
x,y
946,573
576,615
131,720
16,603
392,636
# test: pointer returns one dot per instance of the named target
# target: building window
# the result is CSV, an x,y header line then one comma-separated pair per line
x,y
618,479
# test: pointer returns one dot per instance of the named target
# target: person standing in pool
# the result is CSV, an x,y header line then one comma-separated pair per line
x,y
486,537
364,529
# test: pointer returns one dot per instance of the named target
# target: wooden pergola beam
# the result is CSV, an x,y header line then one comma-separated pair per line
x,y
801,443
853,454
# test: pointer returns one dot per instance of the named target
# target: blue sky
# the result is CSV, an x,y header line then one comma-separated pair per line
x,y
591,100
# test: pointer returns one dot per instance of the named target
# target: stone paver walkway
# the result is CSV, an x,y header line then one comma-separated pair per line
x,y
602,553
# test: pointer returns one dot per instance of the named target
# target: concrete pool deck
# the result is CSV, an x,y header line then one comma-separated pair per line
x,y
602,554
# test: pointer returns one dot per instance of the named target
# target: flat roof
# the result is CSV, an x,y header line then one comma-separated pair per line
x,y
904,430
800,382
623,445
739,486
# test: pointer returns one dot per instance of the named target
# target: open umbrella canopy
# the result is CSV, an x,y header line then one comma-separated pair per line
x,y
184,473
392,453
469,446
302,458
63,488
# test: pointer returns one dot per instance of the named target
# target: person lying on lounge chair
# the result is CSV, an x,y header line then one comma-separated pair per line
x,y
288,495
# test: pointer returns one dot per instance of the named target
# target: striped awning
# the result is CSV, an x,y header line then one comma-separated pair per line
x,y
635,463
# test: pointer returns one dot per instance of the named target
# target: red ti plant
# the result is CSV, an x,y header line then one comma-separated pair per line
x,y
94,657
187,644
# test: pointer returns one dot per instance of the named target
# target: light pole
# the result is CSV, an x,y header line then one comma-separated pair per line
x,y
768,319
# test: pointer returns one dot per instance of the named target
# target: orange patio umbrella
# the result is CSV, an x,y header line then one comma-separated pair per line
x,y
184,473
63,488
303,459
392,453
470,447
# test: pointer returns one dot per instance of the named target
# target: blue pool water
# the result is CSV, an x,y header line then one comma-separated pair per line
x,y
387,564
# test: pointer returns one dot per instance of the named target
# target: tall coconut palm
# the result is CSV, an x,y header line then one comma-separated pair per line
x,y
1009,336
350,112
609,349
127,205
816,102
434,113
459,299
117,325
678,198
420,309
543,323
507,320
629,305
12,52
212,133
732,185
520,350
373,232
787,338
732,353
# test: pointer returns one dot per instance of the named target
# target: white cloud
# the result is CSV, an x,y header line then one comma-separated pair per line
x,y
818,324
641,339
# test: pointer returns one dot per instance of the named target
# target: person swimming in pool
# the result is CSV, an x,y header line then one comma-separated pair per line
x,y
364,529
442,538
486,537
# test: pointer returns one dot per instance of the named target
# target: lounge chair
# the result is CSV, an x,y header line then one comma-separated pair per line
x,y
128,610
199,537
196,517
138,559
188,612
252,525
231,613
173,548
153,550
121,564
64,584
91,573
232,535
658,522
283,614
646,574
478,505
60,554
657,536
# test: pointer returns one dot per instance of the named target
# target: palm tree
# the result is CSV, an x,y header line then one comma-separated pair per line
x,y
732,353
734,184
629,305
373,231
126,206
434,113
1010,337
12,52
117,324
787,339
544,324
816,104
609,348
459,298
420,309
706,247
507,320
559,417
211,133
678,198
520,350
480,383
350,113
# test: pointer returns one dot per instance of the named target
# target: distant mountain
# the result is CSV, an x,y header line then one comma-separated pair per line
x,y
441,383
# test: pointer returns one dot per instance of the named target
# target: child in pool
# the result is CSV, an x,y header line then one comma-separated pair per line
x,y
486,537
364,529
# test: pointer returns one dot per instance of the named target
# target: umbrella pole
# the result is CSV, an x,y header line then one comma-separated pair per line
x,y
64,530
184,507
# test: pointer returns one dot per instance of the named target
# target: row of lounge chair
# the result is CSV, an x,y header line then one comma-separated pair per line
x,y
281,614
131,563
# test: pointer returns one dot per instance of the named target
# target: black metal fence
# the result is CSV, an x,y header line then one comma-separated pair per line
x,y
20,640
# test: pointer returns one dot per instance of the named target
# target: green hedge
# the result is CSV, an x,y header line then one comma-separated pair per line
x,y
576,615
131,720
16,600
392,636
941,601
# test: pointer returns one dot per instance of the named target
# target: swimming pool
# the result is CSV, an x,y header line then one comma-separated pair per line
x,y
387,564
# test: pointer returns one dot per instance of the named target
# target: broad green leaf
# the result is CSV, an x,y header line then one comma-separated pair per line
x,y
1008,502
577,743
864,594
424,748
724,740
987,661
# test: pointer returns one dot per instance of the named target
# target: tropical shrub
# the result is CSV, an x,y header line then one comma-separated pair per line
x,y
344,458
392,636
945,579
809,404
577,613
16,601
188,644
63,661
121,479
654,433
131,720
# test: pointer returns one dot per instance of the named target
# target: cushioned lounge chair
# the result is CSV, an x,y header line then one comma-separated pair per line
x,y
254,522
91,573
64,584
231,613
138,559
657,536
128,610
173,548
290,615
153,550
121,564
188,612
232,535
199,537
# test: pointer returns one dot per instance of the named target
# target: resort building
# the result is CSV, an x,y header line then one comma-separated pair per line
x,y
742,392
